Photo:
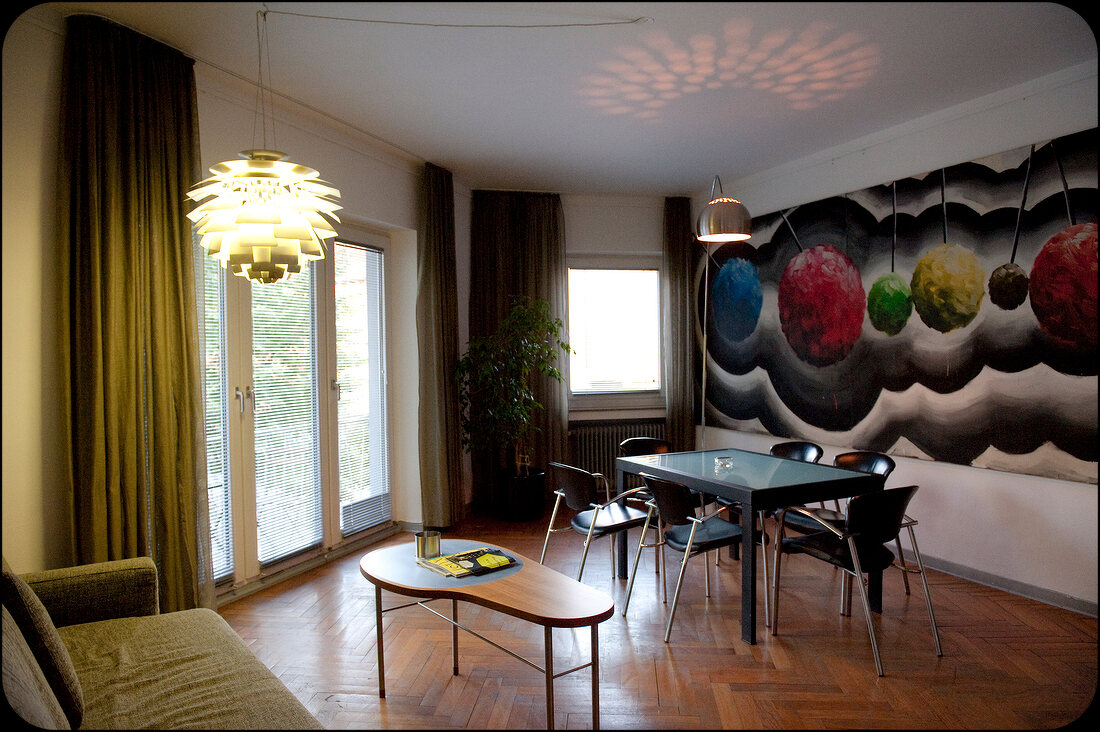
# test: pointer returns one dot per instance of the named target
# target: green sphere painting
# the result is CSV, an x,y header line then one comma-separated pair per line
x,y
889,304
948,285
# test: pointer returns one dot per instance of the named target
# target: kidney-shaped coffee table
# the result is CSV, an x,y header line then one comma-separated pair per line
x,y
527,590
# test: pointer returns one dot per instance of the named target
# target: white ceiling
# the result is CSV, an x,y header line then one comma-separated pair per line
x,y
652,108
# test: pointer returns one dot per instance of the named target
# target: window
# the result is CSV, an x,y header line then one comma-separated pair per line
x,y
295,407
615,335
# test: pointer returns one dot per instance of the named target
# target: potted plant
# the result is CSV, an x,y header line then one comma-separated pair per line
x,y
497,402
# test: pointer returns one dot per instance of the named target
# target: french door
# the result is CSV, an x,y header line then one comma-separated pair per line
x,y
295,410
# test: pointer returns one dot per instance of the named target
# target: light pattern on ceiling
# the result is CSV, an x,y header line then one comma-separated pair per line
x,y
806,68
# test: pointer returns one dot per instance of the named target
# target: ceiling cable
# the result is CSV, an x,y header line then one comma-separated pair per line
x,y
461,25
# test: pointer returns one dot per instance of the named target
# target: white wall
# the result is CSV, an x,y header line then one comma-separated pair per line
x,y
37,520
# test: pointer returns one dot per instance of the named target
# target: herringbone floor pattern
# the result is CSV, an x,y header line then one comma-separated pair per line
x,y
1008,663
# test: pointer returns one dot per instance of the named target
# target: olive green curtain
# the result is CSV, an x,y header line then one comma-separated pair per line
x,y
441,495
517,249
680,365
129,154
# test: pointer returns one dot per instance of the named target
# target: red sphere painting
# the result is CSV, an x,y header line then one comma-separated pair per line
x,y
821,304
1063,286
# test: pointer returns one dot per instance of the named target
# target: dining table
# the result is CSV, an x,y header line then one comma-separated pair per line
x,y
758,482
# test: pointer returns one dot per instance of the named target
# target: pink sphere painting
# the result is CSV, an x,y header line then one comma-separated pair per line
x,y
821,304
1062,286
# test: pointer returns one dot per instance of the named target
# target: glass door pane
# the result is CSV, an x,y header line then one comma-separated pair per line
x,y
215,390
286,426
360,319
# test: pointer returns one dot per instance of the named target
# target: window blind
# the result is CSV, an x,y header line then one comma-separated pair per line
x,y
360,359
286,423
215,389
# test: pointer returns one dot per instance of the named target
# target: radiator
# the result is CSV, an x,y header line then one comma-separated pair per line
x,y
594,445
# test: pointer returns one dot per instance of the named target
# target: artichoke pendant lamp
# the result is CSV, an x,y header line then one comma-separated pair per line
x,y
262,216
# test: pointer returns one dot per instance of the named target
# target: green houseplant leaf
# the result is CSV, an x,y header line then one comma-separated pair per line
x,y
496,399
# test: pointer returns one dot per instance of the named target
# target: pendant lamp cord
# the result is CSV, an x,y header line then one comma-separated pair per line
x,y
265,106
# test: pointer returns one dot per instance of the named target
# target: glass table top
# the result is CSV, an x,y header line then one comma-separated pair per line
x,y
751,470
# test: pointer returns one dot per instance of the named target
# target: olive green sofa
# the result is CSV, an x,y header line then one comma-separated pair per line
x,y
86,647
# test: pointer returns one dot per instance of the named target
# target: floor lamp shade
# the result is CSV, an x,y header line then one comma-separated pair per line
x,y
723,219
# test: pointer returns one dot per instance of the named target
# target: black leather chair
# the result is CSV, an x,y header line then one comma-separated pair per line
x,y
632,447
596,515
865,461
873,520
807,452
685,532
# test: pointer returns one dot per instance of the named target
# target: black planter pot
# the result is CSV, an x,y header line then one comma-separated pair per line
x,y
520,498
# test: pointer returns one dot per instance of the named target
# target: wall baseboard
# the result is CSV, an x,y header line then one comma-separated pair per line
x,y
1040,594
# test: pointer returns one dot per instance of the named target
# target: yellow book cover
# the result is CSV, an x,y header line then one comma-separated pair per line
x,y
473,561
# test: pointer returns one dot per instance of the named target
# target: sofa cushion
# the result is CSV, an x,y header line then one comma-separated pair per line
x,y
46,645
25,688
178,669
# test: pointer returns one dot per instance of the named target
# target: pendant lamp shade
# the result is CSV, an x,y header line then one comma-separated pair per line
x,y
262,216
723,219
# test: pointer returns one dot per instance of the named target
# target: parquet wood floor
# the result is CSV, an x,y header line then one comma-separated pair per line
x,y
1008,663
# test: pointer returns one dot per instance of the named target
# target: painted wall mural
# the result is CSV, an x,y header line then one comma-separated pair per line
x,y
948,316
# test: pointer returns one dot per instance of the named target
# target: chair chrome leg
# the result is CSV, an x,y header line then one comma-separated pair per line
x,y
637,558
927,596
550,528
587,542
680,581
901,561
706,573
775,576
858,579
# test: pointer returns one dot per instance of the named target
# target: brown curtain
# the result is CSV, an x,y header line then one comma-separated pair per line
x,y
441,494
130,152
517,249
680,365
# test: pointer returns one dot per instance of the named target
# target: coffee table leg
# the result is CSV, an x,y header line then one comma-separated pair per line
x,y
378,631
549,669
595,678
454,635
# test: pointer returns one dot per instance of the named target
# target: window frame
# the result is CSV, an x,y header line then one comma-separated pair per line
x,y
649,403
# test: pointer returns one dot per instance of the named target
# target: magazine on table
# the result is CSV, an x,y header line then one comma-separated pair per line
x,y
469,562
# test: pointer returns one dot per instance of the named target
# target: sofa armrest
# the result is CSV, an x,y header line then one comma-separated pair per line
x,y
101,591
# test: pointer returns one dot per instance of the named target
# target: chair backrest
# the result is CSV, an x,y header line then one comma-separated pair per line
x,y
807,452
633,446
865,461
579,486
877,517
674,501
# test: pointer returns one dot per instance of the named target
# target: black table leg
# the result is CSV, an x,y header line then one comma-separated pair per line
x,y
620,538
748,575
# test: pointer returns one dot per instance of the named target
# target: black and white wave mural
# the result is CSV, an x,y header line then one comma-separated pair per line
x,y
949,316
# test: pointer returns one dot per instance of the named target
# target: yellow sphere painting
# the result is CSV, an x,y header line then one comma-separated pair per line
x,y
948,284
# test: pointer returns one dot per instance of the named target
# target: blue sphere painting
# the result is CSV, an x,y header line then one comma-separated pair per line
x,y
736,298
